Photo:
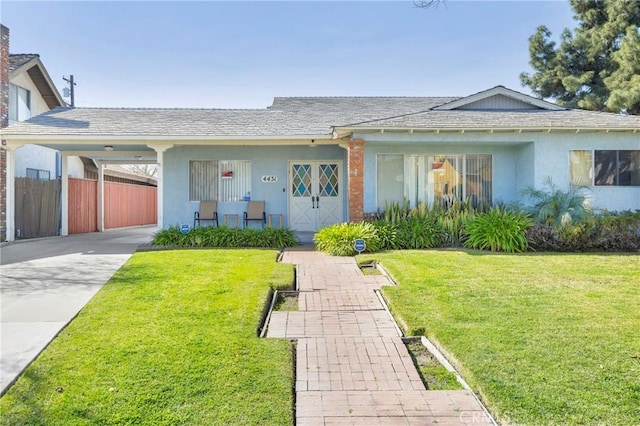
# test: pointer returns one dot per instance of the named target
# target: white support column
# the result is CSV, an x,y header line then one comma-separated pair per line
x,y
10,192
100,196
160,149
64,196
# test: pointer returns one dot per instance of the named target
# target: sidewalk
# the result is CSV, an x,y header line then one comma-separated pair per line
x,y
351,364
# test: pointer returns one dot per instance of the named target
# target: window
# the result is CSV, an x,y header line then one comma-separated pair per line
x,y
605,168
38,174
219,180
19,104
434,178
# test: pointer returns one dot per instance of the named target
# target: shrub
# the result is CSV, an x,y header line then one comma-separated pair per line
x,y
605,232
420,232
553,206
338,240
223,236
388,235
498,230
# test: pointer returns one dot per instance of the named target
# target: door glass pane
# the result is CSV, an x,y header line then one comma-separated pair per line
x,y
328,180
390,179
301,180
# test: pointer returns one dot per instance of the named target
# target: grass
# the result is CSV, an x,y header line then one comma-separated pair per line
x,y
170,339
544,338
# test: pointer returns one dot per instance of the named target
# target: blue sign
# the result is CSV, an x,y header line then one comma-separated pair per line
x,y
184,228
359,245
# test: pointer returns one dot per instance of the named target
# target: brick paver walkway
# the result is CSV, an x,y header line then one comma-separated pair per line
x,y
352,367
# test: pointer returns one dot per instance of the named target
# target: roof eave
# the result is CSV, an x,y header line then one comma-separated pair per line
x,y
344,131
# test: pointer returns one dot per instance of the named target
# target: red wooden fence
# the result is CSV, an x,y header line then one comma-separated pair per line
x,y
83,206
129,205
124,205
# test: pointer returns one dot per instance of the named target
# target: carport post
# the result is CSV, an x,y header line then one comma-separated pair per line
x,y
10,192
160,149
100,196
64,196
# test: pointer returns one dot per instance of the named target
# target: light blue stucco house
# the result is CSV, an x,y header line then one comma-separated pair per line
x,y
318,161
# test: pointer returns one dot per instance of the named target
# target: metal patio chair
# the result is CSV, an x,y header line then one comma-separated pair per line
x,y
208,212
255,212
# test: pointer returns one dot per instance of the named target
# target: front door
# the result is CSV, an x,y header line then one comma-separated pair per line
x,y
315,198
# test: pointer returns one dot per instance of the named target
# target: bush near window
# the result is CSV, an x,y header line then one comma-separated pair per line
x,y
223,236
498,230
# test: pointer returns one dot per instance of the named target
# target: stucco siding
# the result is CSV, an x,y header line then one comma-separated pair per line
x,y
552,160
519,160
35,157
38,104
268,160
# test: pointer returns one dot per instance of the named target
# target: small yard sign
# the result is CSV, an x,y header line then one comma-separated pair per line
x,y
184,228
359,245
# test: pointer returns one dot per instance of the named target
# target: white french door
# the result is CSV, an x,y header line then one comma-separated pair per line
x,y
315,194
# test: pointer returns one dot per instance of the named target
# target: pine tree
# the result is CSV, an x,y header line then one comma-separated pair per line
x,y
595,67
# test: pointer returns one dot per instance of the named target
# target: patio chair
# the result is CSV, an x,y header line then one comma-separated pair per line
x,y
208,212
255,212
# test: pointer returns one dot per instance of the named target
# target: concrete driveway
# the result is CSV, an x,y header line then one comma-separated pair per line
x,y
44,283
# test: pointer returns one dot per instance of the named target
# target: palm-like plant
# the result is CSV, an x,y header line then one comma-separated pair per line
x,y
556,207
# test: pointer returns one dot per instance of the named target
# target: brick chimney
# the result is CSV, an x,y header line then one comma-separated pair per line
x,y
4,122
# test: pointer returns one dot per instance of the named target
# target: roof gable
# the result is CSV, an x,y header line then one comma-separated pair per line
x,y
499,98
31,64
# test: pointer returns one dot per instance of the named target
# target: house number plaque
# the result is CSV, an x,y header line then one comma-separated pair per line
x,y
270,179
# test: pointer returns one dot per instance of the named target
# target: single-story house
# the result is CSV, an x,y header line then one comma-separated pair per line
x,y
321,160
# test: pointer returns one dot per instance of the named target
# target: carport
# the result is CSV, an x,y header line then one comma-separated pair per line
x,y
102,151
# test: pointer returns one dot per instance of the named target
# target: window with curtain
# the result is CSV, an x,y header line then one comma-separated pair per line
x,y
581,168
434,178
605,167
216,180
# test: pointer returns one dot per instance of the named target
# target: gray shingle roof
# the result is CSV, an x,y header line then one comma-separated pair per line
x,y
16,60
308,116
500,119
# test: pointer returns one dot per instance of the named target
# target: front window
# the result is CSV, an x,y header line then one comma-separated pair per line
x,y
19,104
434,178
604,168
217,180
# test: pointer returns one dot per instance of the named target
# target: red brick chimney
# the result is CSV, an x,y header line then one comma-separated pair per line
x,y
4,122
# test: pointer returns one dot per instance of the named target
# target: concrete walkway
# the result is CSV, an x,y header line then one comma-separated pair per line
x,y
351,364
45,282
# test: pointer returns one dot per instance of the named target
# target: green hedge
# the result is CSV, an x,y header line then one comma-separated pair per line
x,y
223,236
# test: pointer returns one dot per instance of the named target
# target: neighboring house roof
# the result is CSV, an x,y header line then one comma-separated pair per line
x,y
317,117
31,64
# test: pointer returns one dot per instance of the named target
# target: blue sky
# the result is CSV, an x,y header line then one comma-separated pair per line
x,y
242,54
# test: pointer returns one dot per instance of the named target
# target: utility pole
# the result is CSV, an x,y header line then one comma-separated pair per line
x,y
72,84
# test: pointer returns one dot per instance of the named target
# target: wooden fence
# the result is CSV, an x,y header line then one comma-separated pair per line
x,y
37,207
83,206
124,205
129,205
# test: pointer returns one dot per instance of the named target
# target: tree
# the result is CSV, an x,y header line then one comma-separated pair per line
x,y
596,66
150,170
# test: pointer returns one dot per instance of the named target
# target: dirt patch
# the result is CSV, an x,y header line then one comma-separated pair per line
x,y
286,301
369,269
433,374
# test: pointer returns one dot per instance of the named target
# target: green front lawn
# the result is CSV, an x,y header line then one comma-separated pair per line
x,y
544,338
171,339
